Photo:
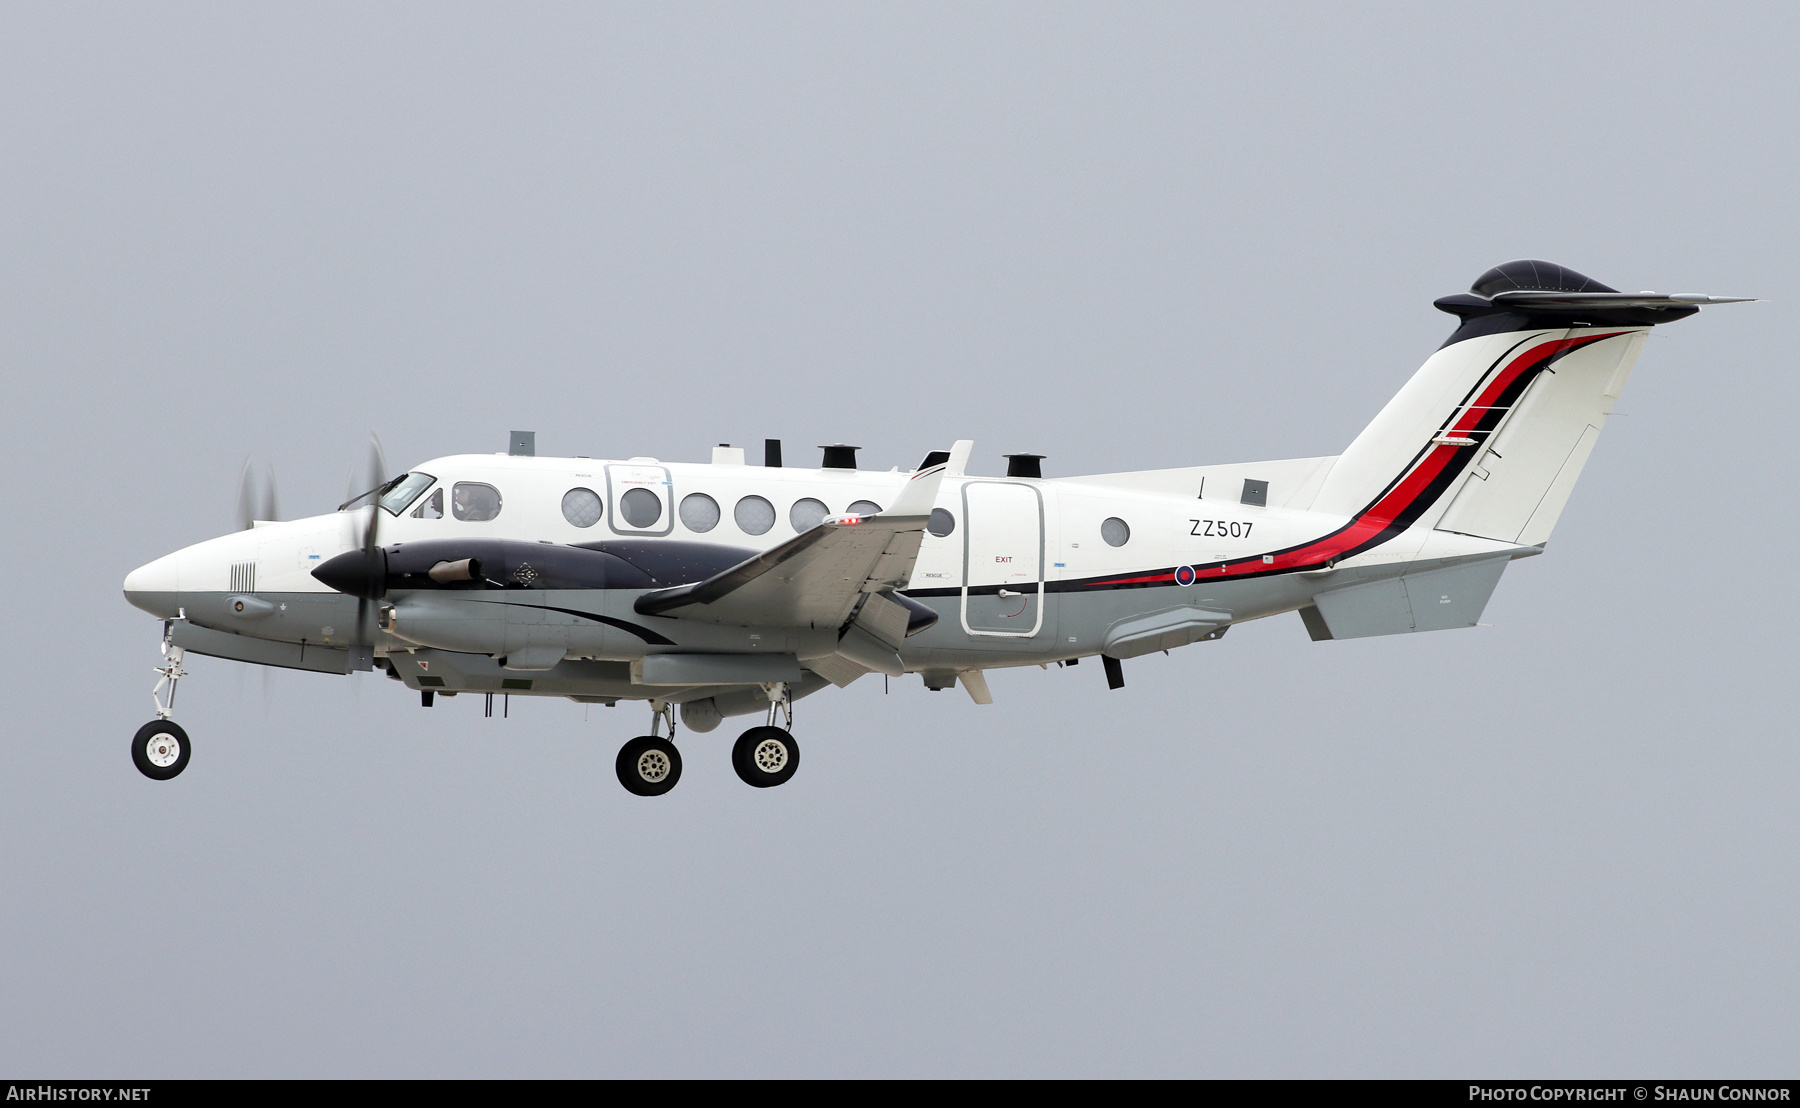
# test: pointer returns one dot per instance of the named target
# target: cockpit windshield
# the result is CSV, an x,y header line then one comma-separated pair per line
x,y
400,494
395,495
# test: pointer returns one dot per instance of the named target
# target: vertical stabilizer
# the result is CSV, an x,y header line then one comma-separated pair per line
x,y
1489,435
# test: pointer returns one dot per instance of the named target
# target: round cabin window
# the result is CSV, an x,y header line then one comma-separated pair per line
x,y
699,512
640,507
941,522
863,508
754,515
1115,531
807,513
581,507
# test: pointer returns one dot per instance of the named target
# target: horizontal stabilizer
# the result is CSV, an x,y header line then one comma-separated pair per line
x,y
1535,298
1435,600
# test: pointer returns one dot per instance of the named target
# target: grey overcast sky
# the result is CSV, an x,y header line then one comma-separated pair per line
x,y
1121,235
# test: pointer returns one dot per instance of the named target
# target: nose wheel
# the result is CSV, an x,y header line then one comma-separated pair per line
x,y
160,749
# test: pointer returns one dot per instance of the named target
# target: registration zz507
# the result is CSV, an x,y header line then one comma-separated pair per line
x,y
1221,528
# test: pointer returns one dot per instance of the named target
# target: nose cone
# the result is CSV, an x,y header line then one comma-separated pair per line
x,y
155,587
356,573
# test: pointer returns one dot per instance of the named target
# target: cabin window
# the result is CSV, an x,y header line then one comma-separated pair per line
x,y
402,491
807,513
699,512
941,522
432,507
1115,531
754,515
640,507
863,508
582,507
474,502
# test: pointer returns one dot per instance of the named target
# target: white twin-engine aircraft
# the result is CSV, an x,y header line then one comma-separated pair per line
x,y
730,589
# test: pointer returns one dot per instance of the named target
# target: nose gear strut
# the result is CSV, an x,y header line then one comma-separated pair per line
x,y
160,749
170,671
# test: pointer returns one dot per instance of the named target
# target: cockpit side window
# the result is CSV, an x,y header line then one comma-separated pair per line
x,y
432,507
403,490
473,502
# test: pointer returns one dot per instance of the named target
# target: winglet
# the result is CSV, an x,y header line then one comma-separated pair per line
x,y
959,456
920,493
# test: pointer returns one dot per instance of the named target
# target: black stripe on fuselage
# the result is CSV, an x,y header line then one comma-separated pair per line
x,y
644,633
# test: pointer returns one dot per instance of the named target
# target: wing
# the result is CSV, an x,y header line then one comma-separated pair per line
x,y
812,580
840,575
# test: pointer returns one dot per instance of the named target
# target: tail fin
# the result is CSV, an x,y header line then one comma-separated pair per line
x,y
1488,437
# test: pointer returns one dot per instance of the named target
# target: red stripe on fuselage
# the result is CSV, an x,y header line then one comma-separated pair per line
x,y
1392,504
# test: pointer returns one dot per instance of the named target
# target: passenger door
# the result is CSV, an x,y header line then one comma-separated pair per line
x,y
1003,559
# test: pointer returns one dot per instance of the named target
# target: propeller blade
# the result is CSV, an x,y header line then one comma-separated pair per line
x,y
377,480
246,509
256,496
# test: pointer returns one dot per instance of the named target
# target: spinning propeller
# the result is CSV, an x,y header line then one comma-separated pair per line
x,y
375,479
256,496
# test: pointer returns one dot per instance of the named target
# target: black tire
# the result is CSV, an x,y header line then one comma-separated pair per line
x,y
169,739
765,757
648,765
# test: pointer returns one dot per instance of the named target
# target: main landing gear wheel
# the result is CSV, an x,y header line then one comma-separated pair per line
x,y
765,756
649,765
160,749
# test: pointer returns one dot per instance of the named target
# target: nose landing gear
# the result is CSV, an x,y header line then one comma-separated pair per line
x,y
160,749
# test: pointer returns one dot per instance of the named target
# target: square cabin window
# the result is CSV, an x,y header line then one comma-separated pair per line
x,y
474,502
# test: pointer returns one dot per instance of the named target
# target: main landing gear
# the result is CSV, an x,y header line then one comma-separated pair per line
x,y
649,765
767,756
764,757
160,749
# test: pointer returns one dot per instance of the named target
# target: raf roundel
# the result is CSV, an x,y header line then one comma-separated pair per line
x,y
1184,576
